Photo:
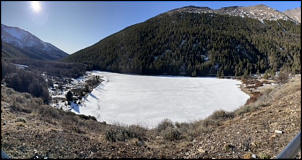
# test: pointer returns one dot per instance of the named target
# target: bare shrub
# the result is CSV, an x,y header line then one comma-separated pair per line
x,y
20,99
286,89
184,126
201,126
165,124
34,104
246,109
267,91
17,107
27,95
49,112
170,134
282,78
120,133
37,101
77,128
140,131
84,117
264,99
9,91
221,115
209,123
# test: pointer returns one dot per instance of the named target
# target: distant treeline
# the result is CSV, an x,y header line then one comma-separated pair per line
x,y
52,68
30,79
198,45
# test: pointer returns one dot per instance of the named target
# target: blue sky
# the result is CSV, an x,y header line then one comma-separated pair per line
x,y
72,26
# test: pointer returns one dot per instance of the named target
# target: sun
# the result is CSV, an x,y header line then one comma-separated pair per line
x,y
36,6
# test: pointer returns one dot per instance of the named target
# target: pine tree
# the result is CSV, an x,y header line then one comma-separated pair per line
x,y
69,97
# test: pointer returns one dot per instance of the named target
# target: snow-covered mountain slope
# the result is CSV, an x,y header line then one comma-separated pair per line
x,y
294,14
26,41
259,12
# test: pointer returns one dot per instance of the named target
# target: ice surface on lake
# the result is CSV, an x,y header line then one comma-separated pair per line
x,y
147,100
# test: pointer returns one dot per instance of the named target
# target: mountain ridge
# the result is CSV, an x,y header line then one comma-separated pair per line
x,y
186,42
27,42
294,13
259,12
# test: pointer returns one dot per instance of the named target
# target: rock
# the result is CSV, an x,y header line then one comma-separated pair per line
x,y
278,131
254,156
273,136
200,150
228,147
137,142
158,137
247,156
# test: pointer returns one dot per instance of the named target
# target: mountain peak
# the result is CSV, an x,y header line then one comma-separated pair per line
x,y
259,12
191,9
25,40
294,14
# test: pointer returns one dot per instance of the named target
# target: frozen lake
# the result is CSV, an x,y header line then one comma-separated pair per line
x,y
147,100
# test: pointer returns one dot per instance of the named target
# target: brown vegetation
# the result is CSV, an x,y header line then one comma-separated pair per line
x,y
29,128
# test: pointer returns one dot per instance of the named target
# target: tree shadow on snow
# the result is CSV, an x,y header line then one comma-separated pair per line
x,y
75,107
93,96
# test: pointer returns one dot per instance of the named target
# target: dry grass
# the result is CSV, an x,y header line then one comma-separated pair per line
x,y
164,135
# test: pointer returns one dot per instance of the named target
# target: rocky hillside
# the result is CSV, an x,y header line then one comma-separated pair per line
x,y
294,14
260,12
261,128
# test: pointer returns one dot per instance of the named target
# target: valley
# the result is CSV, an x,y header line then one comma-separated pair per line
x,y
30,128
179,81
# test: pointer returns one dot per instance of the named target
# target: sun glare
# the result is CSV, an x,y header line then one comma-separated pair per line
x,y
36,6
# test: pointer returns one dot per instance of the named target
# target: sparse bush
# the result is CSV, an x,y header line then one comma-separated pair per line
x,y
49,112
20,99
140,131
246,109
243,110
82,116
165,124
9,91
111,135
183,126
282,78
77,128
209,122
37,101
27,96
267,91
121,134
263,155
221,115
17,107
171,134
